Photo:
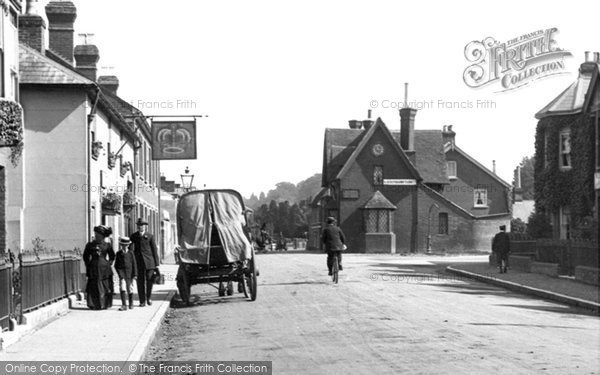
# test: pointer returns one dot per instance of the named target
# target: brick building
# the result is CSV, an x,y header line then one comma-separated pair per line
x,y
407,191
567,161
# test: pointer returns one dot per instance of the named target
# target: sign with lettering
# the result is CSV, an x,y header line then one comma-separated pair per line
x,y
399,182
350,194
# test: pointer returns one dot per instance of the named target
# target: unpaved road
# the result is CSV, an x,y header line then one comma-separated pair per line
x,y
389,315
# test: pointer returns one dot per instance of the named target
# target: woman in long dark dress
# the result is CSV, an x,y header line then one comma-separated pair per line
x,y
98,257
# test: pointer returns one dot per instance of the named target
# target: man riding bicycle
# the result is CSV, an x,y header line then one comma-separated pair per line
x,y
333,239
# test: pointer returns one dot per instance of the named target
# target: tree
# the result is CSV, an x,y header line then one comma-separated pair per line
x,y
527,177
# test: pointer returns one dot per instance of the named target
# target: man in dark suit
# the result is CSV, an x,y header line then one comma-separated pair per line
x,y
501,248
334,240
146,257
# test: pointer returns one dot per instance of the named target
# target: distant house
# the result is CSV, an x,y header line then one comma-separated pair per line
x,y
567,165
407,191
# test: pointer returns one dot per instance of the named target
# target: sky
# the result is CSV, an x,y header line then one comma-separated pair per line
x,y
272,75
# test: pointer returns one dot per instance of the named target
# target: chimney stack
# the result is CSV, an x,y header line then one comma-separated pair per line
x,y
61,19
86,58
517,190
110,83
448,135
355,124
32,28
407,128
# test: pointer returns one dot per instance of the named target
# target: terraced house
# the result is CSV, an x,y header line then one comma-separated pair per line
x,y
88,159
408,190
567,161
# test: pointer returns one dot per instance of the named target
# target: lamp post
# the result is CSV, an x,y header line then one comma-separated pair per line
x,y
187,179
429,226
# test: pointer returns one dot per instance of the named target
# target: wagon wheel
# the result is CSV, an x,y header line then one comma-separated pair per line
x,y
183,285
242,285
252,280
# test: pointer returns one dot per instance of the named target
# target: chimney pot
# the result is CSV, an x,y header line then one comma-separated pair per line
x,y
494,166
369,114
597,57
587,56
61,19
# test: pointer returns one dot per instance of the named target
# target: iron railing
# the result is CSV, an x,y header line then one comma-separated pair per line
x,y
5,293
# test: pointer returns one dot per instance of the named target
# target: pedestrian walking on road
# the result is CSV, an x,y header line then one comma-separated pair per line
x,y
98,257
146,257
334,240
501,248
126,267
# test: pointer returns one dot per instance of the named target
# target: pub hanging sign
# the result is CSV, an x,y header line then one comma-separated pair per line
x,y
173,140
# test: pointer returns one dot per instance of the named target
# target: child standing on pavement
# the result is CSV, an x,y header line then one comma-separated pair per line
x,y
127,270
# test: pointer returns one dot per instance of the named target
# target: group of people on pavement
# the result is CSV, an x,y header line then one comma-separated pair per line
x,y
136,260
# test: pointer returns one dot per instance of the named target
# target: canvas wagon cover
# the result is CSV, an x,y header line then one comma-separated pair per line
x,y
194,223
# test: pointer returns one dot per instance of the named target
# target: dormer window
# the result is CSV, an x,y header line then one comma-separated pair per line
x,y
451,169
564,143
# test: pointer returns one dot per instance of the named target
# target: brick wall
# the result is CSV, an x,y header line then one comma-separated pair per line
x,y
469,177
360,177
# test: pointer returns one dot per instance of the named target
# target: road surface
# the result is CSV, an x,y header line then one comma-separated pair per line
x,y
389,314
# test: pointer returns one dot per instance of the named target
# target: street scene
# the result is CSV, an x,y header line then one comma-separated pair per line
x,y
263,187
387,315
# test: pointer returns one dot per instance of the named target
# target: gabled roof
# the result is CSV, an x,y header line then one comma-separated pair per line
x,y
365,140
481,166
338,146
429,161
37,69
572,100
379,201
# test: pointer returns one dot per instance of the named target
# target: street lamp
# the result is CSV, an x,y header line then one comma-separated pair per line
x,y
187,179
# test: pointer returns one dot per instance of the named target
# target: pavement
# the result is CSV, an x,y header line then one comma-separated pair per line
x,y
91,335
561,289
82,334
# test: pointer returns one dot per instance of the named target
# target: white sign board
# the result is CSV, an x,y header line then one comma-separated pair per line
x,y
399,182
597,180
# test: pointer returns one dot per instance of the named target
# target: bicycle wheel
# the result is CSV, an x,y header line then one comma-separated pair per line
x,y
335,269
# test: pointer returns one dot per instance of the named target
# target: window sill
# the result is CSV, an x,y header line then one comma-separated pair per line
x,y
564,169
481,207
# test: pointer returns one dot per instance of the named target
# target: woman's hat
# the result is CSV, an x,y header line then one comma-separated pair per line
x,y
502,227
124,241
331,219
103,230
141,222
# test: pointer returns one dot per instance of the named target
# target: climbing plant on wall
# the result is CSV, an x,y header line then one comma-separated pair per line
x,y
11,128
574,187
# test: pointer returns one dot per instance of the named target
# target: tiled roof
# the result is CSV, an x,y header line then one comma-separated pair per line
x,y
126,110
379,201
35,68
572,100
430,158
